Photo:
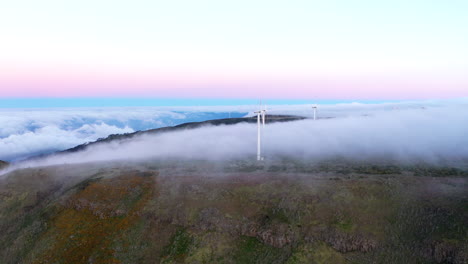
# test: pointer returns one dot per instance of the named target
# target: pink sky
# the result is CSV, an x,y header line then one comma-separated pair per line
x,y
230,86
240,49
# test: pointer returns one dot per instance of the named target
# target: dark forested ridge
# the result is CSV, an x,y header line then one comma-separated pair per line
x,y
3,164
191,125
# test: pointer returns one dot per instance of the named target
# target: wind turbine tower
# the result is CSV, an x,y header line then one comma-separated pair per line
x,y
263,118
315,111
263,128
259,135
261,114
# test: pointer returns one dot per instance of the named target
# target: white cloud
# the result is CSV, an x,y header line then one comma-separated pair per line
x,y
429,130
26,132
52,138
432,134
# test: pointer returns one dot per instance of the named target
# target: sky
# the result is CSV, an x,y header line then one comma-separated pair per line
x,y
247,49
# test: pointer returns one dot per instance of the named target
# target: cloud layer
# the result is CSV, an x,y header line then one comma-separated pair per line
x,y
28,132
414,134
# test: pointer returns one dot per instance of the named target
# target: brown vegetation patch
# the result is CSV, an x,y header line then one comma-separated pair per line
x,y
93,217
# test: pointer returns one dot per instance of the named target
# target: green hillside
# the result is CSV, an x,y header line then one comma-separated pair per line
x,y
234,212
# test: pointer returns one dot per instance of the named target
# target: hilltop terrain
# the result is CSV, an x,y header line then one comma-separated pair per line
x,y
235,212
281,210
192,125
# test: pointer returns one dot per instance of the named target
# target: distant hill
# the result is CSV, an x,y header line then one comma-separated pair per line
x,y
215,122
3,164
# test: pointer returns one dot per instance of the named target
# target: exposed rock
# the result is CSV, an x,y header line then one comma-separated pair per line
x,y
344,242
277,235
274,235
449,252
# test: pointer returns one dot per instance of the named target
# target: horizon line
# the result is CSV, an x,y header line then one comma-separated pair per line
x,y
66,102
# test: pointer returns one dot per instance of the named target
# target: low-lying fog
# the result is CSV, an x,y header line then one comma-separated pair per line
x,y
30,132
412,135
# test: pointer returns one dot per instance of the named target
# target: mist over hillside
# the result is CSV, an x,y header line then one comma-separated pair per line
x,y
29,132
384,185
431,135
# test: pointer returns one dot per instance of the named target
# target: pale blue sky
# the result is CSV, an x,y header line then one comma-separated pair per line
x,y
206,41
335,36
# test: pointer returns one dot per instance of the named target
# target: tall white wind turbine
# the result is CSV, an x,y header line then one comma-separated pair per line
x,y
261,114
263,127
315,111
263,117
259,135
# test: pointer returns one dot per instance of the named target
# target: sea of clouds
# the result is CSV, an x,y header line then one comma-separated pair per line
x,y
28,132
404,132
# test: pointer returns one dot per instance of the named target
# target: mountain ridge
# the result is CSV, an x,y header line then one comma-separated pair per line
x,y
188,125
3,164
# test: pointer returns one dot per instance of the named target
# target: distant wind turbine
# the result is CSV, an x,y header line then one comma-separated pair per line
x,y
263,117
315,111
260,127
259,135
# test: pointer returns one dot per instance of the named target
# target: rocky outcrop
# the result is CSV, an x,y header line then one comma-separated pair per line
x,y
344,242
448,252
277,236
